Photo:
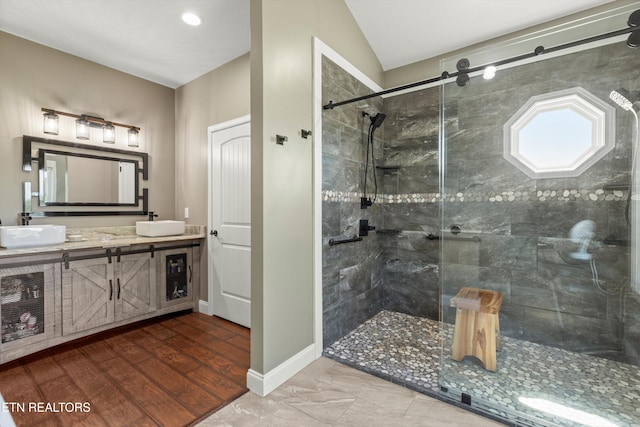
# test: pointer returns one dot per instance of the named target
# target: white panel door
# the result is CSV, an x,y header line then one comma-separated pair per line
x,y
126,178
50,182
230,221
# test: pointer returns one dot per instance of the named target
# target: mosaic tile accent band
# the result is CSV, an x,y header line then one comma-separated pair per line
x,y
598,195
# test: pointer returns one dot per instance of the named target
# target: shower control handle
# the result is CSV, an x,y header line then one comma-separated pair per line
x,y
365,228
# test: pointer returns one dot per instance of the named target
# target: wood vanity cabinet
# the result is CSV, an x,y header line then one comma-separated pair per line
x,y
27,305
100,291
60,296
176,273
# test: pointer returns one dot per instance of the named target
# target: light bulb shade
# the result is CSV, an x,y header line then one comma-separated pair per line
x,y
133,138
108,134
82,128
51,124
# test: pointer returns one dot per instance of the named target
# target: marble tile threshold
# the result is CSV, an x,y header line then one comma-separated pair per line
x,y
329,393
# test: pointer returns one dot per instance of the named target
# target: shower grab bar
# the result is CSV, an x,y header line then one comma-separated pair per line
x,y
333,242
616,242
387,231
458,231
432,236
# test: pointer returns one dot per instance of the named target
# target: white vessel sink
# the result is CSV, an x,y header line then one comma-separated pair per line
x,y
24,236
159,228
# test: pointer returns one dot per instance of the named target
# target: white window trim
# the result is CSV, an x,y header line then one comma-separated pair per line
x,y
601,115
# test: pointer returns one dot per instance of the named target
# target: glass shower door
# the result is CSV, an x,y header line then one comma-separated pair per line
x,y
539,318
479,255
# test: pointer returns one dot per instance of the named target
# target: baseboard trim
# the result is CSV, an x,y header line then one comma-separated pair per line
x,y
262,385
203,307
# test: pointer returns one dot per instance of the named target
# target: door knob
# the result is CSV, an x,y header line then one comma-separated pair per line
x,y
214,233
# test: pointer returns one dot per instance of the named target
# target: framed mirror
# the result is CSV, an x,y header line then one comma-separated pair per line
x,y
82,175
74,179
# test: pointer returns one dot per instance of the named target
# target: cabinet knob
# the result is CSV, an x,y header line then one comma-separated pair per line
x,y
214,233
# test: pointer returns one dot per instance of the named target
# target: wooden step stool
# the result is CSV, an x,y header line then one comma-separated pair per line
x,y
477,329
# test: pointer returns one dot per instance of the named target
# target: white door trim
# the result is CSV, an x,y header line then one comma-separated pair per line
x,y
320,49
210,130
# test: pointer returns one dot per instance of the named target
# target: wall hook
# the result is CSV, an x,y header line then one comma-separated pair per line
x,y
280,139
305,133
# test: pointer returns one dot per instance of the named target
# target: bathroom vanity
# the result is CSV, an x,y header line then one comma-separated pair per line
x,y
109,278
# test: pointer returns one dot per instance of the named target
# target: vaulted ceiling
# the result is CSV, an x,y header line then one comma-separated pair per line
x,y
147,38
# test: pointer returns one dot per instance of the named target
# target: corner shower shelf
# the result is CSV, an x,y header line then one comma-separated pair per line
x,y
611,187
388,168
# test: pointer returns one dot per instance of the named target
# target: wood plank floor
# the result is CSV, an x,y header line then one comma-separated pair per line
x,y
170,371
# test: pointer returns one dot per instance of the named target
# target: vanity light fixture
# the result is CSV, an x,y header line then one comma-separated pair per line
x,y
82,128
51,122
109,133
133,137
85,122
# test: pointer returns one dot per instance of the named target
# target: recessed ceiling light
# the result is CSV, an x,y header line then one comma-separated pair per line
x,y
191,18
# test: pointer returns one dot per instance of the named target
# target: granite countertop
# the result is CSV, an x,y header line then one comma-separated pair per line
x,y
105,237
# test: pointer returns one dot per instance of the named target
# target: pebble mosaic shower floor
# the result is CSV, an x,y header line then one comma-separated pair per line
x,y
406,350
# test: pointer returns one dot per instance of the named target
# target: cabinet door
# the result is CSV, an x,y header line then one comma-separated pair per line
x,y
176,277
27,304
88,292
135,286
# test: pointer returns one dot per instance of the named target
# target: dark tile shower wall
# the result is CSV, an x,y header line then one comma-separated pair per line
x,y
351,272
411,280
523,223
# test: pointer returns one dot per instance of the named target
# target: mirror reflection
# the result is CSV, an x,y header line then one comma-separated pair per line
x,y
81,179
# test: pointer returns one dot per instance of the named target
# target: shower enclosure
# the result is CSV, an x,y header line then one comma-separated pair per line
x,y
519,184
537,164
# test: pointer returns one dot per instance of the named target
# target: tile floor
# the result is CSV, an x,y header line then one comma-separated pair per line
x,y
327,393
538,385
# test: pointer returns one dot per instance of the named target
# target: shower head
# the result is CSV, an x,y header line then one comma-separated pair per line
x,y
377,120
582,233
622,98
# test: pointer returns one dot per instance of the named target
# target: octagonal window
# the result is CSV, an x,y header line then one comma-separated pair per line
x,y
559,134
